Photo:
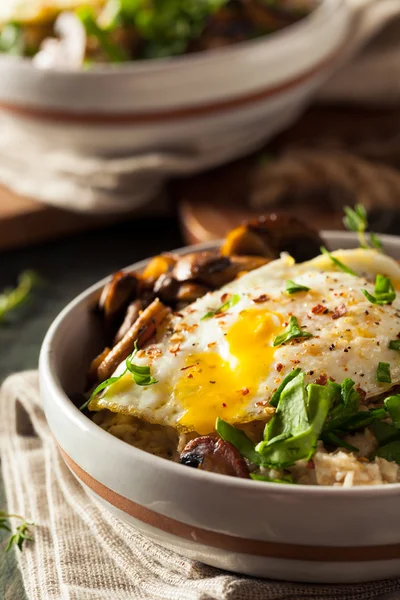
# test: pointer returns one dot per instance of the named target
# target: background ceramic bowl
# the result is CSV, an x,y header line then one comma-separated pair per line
x,y
270,530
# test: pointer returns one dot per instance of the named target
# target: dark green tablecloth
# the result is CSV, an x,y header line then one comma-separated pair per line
x,y
67,267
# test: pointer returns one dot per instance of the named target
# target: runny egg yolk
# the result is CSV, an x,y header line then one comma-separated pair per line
x,y
212,386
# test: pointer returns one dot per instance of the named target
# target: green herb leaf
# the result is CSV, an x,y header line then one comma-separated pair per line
x,y
290,417
291,332
383,373
141,374
12,40
334,440
394,344
344,407
223,308
392,404
21,533
376,242
356,220
363,419
286,479
384,291
276,395
293,288
113,51
337,262
101,387
14,298
239,439
285,453
390,452
384,432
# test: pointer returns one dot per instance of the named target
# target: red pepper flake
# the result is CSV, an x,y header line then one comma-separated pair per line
x,y
398,336
322,379
223,405
177,314
279,367
310,465
189,366
190,376
262,403
339,311
319,309
224,297
211,344
245,391
261,299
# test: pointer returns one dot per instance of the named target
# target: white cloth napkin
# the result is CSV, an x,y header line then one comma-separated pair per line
x,y
82,552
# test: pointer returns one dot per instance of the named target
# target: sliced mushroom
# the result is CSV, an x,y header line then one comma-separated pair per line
x,y
208,268
115,298
131,316
210,453
189,292
94,365
166,288
272,234
141,331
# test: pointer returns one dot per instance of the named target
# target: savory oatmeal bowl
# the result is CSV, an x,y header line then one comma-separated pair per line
x,y
194,390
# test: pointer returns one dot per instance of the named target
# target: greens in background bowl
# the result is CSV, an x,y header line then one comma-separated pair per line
x,y
118,31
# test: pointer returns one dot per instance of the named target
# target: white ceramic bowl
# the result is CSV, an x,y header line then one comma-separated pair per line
x,y
298,533
172,116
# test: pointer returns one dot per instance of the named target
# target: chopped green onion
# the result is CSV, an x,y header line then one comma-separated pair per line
x,y
394,344
337,262
291,332
383,373
12,40
293,287
223,308
392,404
376,242
276,395
239,439
384,291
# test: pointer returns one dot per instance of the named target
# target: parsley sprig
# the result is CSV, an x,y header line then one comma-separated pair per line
x,y
21,533
356,220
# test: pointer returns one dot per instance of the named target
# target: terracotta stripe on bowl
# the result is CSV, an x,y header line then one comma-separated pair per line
x,y
93,117
229,542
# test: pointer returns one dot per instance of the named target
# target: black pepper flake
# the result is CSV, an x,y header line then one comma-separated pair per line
x,y
367,312
345,350
332,347
212,381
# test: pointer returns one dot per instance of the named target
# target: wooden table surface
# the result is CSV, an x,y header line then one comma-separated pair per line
x,y
67,267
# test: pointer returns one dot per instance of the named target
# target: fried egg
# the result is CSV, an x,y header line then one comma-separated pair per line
x,y
37,11
227,365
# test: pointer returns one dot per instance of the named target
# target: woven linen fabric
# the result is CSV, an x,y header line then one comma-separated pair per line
x,y
82,552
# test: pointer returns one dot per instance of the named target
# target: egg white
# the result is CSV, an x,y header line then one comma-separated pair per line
x,y
227,366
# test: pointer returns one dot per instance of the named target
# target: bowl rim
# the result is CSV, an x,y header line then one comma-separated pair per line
x,y
75,416
321,13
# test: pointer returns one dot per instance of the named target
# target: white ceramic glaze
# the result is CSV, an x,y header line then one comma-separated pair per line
x,y
239,513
